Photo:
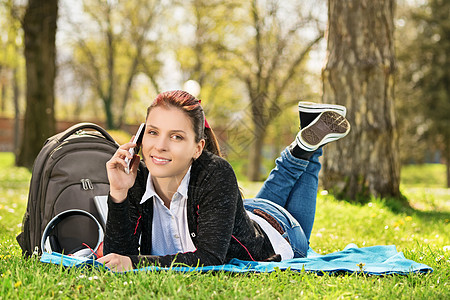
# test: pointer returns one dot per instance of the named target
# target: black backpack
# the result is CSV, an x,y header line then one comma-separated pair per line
x,y
69,171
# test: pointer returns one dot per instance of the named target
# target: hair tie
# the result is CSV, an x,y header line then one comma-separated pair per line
x,y
206,122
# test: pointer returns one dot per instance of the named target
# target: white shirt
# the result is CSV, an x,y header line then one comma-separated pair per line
x,y
279,244
170,230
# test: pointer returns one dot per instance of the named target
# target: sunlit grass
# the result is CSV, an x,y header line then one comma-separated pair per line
x,y
422,235
424,175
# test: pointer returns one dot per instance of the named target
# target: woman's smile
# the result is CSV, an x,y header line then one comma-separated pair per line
x,y
160,160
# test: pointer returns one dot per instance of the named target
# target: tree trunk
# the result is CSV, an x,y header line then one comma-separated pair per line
x,y
255,155
128,85
16,95
2,92
260,119
110,120
359,74
448,174
110,123
39,26
447,163
2,98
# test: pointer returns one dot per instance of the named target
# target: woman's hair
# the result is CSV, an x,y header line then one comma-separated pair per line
x,y
192,108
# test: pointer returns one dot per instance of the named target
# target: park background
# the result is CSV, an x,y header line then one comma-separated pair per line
x,y
250,62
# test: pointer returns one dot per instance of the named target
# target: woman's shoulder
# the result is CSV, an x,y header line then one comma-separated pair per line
x,y
209,163
208,159
213,175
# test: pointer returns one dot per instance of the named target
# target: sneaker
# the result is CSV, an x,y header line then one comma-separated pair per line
x,y
309,111
329,126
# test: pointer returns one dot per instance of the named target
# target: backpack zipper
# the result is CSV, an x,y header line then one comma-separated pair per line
x,y
86,184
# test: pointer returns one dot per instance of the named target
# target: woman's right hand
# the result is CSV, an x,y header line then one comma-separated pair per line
x,y
119,181
116,262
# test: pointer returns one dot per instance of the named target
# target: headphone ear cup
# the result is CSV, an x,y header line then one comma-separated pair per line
x,y
76,250
81,251
54,244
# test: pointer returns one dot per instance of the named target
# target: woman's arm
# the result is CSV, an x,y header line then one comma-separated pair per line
x,y
122,235
119,234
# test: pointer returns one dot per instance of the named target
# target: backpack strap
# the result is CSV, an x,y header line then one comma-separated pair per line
x,y
80,126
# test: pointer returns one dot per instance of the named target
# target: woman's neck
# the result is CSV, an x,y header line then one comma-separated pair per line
x,y
166,188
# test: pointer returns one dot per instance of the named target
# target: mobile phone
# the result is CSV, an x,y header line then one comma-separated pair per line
x,y
135,150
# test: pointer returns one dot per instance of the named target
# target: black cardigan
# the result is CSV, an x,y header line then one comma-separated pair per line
x,y
218,224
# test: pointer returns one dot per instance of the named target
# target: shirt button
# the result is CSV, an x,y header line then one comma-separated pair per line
x,y
176,236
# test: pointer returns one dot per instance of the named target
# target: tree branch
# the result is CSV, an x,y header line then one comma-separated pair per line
x,y
296,63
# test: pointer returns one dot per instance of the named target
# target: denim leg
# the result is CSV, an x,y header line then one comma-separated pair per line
x,y
282,178
301,202
293,184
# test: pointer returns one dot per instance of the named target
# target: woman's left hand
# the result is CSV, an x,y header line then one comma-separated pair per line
x,y
116,262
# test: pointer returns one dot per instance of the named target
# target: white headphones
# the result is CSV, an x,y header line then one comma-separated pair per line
x,y
49,242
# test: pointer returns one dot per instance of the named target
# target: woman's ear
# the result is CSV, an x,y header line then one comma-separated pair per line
x,y
199,150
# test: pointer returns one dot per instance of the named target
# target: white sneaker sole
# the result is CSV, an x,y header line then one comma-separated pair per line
x,y
329,126
310,107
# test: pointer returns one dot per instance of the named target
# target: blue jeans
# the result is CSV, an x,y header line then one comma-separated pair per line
x,y
289,195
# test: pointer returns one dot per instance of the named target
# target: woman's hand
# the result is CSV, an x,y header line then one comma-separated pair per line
x,y
119,181
116,262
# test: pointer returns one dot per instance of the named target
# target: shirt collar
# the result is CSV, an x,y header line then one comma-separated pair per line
x,y
182,188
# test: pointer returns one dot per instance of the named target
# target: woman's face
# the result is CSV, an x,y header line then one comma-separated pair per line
x,y
169,145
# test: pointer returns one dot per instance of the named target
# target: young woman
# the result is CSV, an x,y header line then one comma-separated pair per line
x,y
185,206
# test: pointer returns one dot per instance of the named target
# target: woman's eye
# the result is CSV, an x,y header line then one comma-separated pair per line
x,y
177,137
152,132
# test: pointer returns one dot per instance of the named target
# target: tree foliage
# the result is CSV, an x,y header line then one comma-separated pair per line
x,y
116,42
203,34
271,59
12,64
249,57
10,57
227,42
425,80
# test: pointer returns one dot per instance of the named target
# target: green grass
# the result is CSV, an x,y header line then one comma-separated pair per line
x,y
426,175
421,234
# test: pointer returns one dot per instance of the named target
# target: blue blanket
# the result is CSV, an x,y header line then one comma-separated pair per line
x,y
376,260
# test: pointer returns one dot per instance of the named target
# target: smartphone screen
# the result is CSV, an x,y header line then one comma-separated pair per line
x,y
138,141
